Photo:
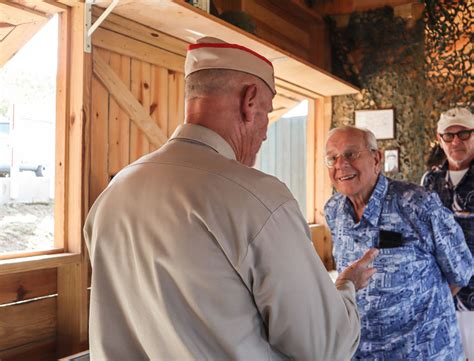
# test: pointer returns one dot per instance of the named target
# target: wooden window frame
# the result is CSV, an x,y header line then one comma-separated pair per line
x,y
68,216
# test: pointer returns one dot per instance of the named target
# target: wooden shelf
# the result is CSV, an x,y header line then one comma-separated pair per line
x,y
183,21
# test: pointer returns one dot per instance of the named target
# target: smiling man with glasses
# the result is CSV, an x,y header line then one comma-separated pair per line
x,y
454,183
407,311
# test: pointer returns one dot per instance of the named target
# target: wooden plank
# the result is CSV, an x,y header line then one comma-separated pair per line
x,y
72,296
17,38
16,14
70,3
119,122
138,50
141,32
159,99
310,161
140,88
42,350
295,88
48,7
99,177
62,106
24,254
5,29
188,23
37,262
282,101
278,21
323,187
272,149
175,101
127,101
27,285
317,237
27,322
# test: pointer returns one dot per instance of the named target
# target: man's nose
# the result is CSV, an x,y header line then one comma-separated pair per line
x,y
456,140
341,162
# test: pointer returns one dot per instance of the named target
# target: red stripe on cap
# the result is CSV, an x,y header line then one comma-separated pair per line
x,y
230,46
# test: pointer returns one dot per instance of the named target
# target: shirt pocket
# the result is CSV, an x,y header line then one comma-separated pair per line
x,y
395,267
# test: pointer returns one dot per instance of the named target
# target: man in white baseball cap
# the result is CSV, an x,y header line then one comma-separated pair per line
x,y
454,182
204,257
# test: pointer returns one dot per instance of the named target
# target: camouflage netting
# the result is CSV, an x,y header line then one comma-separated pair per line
x,y
419,68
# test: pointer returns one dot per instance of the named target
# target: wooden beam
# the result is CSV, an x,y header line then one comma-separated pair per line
x,y
141,32
128,102
36,262
16,14
310,161
183,21
121,44
323,187
23,286
17,38
72,313
5,29
72,296
42,350
27,322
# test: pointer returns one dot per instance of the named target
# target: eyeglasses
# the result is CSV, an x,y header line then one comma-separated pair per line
x,y
462,135
350,156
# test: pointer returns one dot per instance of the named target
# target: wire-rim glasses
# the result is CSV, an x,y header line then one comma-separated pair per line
x,y
350,156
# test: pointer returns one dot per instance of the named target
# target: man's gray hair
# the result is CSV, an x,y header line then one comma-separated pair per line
x,y
369,137
210,82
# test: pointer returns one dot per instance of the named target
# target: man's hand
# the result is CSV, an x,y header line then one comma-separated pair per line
x,y
359,272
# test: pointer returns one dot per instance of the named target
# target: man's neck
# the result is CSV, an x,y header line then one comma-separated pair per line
x,y
457,166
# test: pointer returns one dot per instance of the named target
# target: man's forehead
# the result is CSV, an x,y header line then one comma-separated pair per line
x,y
454,128
346,140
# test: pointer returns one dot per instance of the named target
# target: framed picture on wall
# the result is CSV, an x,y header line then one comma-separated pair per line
x,y
381,122
391,160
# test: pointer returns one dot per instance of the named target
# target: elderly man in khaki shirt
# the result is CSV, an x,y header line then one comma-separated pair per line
x,y
198,256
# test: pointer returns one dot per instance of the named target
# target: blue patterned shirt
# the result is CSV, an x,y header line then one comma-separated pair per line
x,y
460,199
407,311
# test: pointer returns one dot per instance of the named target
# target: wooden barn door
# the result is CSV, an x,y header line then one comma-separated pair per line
x,y
137,96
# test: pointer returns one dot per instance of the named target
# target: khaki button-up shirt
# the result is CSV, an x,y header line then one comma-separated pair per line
x,y
198,257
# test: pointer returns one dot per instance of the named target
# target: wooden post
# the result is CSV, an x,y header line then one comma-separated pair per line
x,y
323,185
72,310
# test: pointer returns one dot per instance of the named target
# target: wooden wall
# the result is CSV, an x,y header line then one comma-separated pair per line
x,y
150,67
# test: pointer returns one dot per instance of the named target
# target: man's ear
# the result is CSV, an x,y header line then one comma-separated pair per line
x,y
249,102
378,160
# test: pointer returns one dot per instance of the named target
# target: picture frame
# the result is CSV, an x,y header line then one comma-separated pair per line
x,y
391,160
381,122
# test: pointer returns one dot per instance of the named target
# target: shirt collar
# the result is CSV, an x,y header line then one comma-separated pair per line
x,y
374,207
205,136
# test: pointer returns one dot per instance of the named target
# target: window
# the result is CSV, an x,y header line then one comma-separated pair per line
x,y
283,154
27,144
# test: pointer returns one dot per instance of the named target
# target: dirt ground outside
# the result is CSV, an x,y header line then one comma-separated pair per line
x,y
26,227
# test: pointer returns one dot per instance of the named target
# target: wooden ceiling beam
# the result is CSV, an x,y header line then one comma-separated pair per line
x,y
15,14
341,7
5,29
17,38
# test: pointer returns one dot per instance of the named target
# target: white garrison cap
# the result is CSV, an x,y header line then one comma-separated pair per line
x,y
455,116
213,53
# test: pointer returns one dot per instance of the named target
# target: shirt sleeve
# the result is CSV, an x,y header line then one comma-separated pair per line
x,y
450,249
306,317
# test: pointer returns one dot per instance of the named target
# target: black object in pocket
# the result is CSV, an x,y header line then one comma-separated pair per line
x,y
390,239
